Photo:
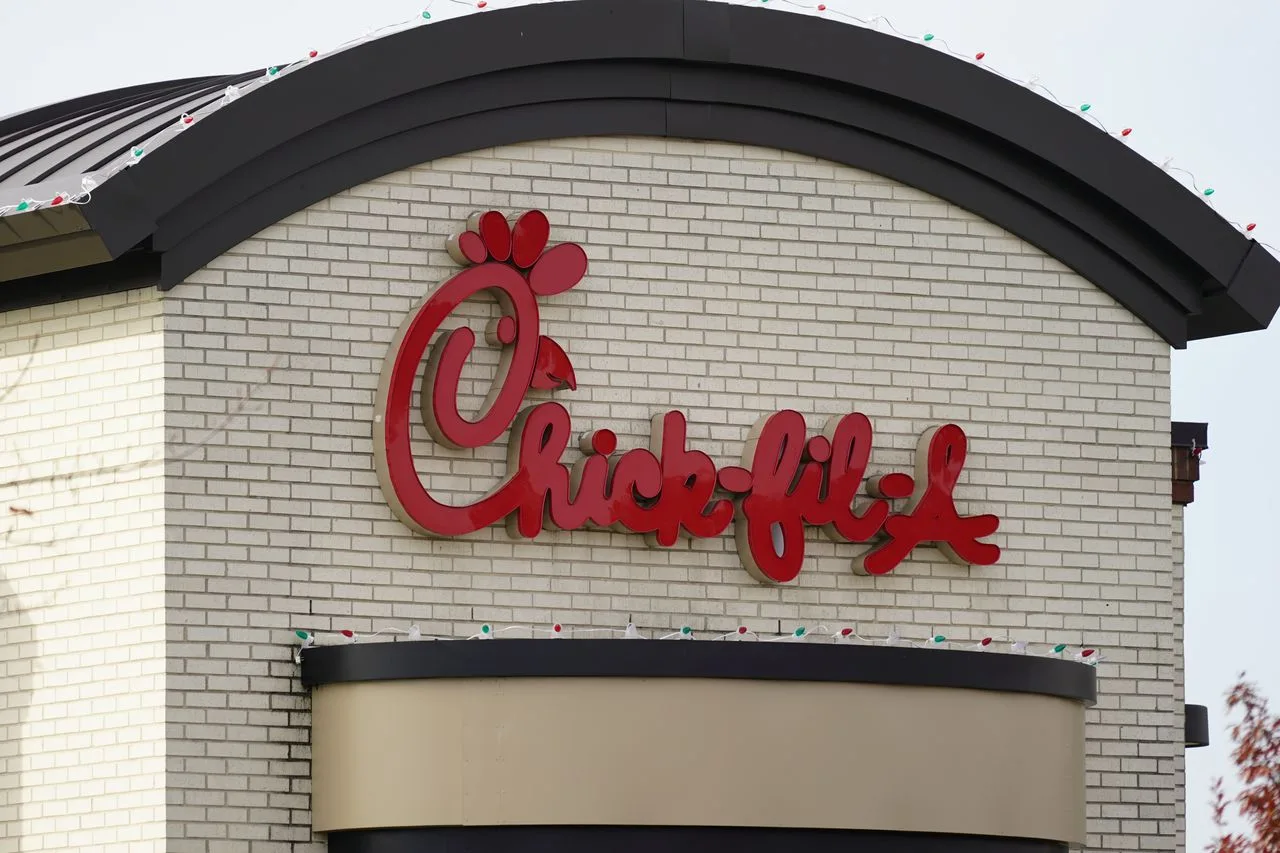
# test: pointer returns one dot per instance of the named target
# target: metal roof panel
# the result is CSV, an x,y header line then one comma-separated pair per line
x,y
60,143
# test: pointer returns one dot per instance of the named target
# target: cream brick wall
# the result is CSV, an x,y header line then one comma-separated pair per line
x,y
1179,674
82,576
727,282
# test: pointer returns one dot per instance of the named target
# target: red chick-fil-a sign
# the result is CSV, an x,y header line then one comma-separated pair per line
x,y
788,479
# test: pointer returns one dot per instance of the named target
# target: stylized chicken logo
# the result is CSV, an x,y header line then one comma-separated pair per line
x,y
491,239
511,261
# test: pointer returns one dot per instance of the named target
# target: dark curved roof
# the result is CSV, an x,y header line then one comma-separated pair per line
x,y
64,141
690,69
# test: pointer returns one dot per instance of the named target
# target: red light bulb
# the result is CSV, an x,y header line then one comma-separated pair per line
x,y
986,641
1126,131
742,629
348,634
845,632
481,4
822,7
1250,226
57,200
1086,653
313,53
981,54
556,628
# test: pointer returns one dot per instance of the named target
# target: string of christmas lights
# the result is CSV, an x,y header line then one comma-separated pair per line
x,y
879,23
821,633
1083,109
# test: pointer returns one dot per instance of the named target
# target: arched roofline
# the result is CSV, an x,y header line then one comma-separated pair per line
x,y
698,70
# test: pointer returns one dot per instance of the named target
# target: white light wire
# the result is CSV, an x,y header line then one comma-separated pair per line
x,y
841,636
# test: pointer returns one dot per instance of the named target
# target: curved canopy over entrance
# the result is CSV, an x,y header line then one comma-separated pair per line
x,y
676,68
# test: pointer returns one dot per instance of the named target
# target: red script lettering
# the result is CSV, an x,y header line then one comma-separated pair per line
x,y
789,481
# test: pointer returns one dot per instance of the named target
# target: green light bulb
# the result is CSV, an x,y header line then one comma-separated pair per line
x,y
486,629
302,635
273,71
22,205
1209,191
686,630
426,16
799,632
939,639
928,36
1084,108
1060,648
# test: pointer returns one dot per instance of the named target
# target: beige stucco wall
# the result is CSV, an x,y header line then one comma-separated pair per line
x,y
697,752
82,634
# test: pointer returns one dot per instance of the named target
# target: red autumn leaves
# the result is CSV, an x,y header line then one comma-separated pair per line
x,y
1257,760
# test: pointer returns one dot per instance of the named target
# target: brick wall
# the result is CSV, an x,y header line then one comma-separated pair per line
x,y
1179,680
82,576
727,282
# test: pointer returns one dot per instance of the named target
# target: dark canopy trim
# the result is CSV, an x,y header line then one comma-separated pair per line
x,y
693,659
696,69
669,839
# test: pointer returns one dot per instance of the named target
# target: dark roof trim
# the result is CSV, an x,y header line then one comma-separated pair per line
x,y
133,271
699,659
696,69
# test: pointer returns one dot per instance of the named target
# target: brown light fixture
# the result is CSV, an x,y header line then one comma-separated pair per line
x,y
1188,441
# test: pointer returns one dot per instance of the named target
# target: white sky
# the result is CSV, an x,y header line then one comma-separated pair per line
x,y
1197,81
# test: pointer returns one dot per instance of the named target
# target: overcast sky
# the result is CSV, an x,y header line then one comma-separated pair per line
x,y
1196,80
